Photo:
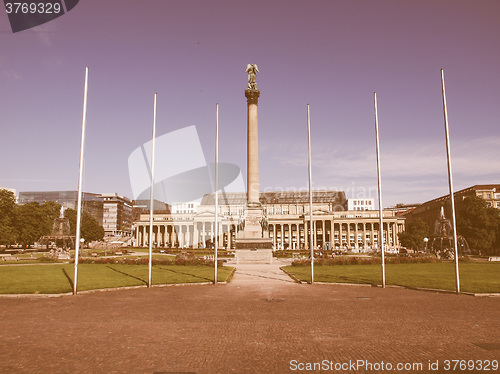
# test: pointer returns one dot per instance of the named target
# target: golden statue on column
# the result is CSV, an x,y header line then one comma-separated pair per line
x,y
252,71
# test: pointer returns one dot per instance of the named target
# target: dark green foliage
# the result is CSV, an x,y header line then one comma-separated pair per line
x,y
478,223
25,224
91,229
35,220
8,234
413,236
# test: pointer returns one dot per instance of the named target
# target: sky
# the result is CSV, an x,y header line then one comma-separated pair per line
x,y
331,54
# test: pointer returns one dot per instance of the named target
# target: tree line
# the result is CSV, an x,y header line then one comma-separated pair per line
x,y
478,223
26,224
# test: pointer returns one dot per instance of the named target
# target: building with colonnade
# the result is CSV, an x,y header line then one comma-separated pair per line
x,y
286,221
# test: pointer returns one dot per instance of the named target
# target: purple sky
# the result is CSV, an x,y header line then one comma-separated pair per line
x,y
330,54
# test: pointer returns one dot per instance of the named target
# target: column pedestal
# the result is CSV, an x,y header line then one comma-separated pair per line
x,y
251,246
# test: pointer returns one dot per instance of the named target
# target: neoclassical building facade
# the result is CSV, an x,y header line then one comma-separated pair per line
x,y
286,221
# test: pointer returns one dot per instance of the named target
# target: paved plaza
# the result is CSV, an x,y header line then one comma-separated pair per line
x,y
261,322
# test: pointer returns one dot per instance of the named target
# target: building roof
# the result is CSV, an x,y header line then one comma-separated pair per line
x,y
57,196
476,187
277,197
495,187
157,205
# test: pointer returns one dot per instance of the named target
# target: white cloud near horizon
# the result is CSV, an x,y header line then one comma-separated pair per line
x,y
412,171
12,75
43,32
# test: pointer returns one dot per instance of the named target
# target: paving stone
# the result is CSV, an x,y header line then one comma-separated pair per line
x,y
258,323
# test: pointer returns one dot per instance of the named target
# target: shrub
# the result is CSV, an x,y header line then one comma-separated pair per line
x,y
182,259
366,260
47,259
107,252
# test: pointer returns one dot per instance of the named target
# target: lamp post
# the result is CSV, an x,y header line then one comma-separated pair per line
x,y
425,241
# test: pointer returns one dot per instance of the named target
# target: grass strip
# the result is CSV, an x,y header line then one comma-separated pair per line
x,y
474,277
58,278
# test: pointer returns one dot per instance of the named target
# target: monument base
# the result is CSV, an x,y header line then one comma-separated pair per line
x,y
254,251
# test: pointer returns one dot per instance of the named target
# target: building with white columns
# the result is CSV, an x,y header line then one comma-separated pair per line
x,y
286,220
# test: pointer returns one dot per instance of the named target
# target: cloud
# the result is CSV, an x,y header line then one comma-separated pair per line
x,y
412,171
12,75
43,32
472,157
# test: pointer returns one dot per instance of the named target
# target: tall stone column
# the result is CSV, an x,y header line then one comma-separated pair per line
x,y
252,96
349,235
356,235
364,236
252,245
323,232
340,235
307,236
372,235
196,235
203,239
315,235
188,236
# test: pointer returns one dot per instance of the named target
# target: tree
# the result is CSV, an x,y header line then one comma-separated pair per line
x,y
50,211
35,220
478,223
90,229
413,236
8,234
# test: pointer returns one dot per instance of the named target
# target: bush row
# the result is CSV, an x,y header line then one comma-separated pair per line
x,y
179,260
366,260
199,252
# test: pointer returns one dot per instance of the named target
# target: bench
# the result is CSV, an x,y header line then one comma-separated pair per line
x,y
494,258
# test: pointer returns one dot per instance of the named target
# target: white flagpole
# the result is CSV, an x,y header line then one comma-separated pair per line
x,y
450,182
311,228
380,212
151,197
216,240
80,182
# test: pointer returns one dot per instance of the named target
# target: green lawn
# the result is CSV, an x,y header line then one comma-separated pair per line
x,y
53,279
474,277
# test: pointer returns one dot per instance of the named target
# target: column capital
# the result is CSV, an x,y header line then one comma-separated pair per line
x,y
252,96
